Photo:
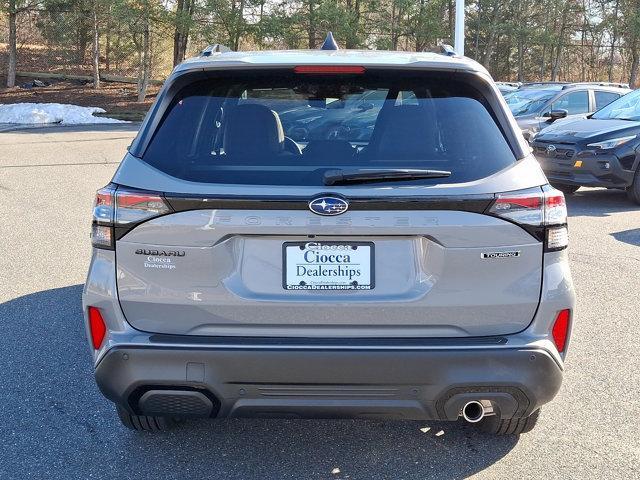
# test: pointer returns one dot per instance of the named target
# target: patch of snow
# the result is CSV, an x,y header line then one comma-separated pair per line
x,y
44,113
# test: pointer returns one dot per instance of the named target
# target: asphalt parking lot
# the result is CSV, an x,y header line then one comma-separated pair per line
x,y
55,424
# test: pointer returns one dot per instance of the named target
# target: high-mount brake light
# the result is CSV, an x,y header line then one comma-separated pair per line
x,y
330,69
121,207
542,212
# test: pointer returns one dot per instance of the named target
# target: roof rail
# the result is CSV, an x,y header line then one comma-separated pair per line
x,y
560,85
447,50
329,43
546,83
601,84
510,84
215,48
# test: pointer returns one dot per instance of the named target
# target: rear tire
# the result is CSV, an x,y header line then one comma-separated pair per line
x,y
144,423
566,189
494,425
633,190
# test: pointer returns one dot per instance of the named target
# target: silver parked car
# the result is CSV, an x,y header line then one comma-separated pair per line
x,y
538,105
405,258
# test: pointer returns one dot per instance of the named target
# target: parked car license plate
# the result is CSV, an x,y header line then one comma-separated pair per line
x,y
318,265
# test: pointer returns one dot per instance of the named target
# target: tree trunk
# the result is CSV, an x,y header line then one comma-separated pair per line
x,y
107,54
177,33
543,57
184,14
96,47
311,33
13,45
238,26
394,30
522,31
614,35
107,44
635,61
452,26
421,40
143,80
493,34
555,71
478,23
583,42
520,51
354,20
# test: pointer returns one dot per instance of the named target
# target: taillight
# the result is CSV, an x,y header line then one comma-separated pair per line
x,y
542,212
555,208
560,330
523,208
97,327
121,207
134,207
103,215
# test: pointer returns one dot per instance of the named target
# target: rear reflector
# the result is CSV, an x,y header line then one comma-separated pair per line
x,y
97,327
329,69
561,329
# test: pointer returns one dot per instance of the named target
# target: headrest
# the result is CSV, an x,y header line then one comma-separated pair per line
x,y
404,132
329,149
253,129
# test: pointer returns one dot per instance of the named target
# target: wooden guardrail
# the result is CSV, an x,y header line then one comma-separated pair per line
x,y
104,77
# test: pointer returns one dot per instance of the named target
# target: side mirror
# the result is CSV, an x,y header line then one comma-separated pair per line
x,y
558,114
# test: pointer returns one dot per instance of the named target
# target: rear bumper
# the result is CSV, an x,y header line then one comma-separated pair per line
x,y
326,381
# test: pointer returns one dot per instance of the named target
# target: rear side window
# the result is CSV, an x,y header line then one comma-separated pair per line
x,y
605,98
574,103
283,128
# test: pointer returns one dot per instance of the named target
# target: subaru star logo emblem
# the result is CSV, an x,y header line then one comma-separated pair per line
x,y
551,148
328,205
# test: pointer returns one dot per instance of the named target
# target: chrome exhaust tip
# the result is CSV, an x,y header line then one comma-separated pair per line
x,y
475,410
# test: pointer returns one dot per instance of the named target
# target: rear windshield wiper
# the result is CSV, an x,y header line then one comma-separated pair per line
x,y
335,177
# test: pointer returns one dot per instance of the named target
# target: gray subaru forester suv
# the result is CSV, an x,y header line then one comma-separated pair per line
x,y
276,244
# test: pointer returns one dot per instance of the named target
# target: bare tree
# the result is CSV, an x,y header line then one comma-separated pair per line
x,y
614,39
96,47
183,18
145,54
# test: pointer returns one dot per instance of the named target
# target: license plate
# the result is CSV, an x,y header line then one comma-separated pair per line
x,y
317,265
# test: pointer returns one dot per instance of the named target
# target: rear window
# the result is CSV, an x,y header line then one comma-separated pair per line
x,y
605,98
529,101
283,128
